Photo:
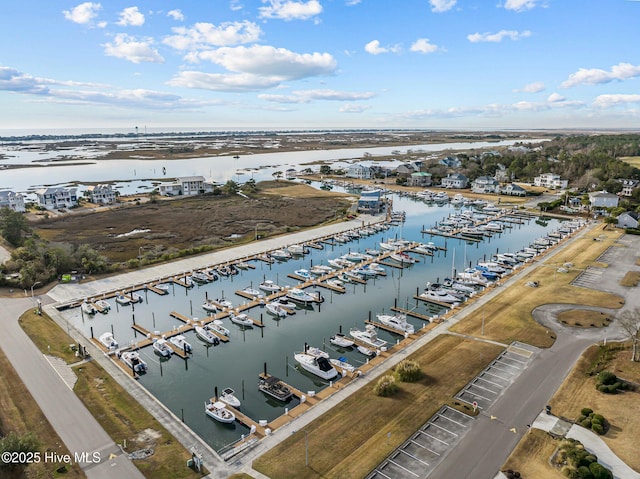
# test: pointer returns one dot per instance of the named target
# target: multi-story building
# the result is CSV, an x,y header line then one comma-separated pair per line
x,y
57,197
101,194
550,181
14,201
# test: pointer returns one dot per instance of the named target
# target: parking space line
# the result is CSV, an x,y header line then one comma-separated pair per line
x,y
436,438
444,429
453,421
486,389
490,382
495,375
414,457
382,473
424,447
517,360
509,365
477,395
402,467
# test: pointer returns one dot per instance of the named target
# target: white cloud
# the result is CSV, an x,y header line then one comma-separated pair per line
x,y
374,48
351,108
555,98
307,96
131,16
351,3
290,10
129,48
176,14
439,6
535,87
520,5
270,61
83,13
608,101
595,76
224,82
422,45
498,36
202,35
236,5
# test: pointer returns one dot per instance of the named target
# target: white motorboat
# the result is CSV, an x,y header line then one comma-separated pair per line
x,y
134,361
341,340
368,336
122,299
303,273
336,283
210,306
218,411
162,287
376,268
352,276
321,269
88,308
440,296
275,388
300,297
492,266
317,352
372,252
342,365
242,265
206,335
228,396
241,319
200,277
339,263
297,249
108,341
161,347
355,256
284,302
217,326
365,272
320,366
252,292
276,310
181,343
402,258
397,322
280,255
269,286
135,297
103,305
370,353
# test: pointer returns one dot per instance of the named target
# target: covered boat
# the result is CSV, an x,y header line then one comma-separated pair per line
x,y
275,388
368,336
341,340
228,396
319,366
397,322
134,361
218,411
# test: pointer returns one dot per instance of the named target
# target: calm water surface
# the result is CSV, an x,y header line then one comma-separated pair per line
x,y
184,385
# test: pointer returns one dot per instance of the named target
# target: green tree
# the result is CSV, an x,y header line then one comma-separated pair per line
x,y
325,170
13,226
230,187
13,442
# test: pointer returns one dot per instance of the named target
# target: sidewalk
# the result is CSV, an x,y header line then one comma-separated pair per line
x,y
591,442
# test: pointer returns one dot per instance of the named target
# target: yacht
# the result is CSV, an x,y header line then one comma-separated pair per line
x,y
398,322
341,340
368,336
320,366
299,296
440,296
269,286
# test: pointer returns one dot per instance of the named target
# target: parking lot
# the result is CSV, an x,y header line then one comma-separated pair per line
x,y
420,454
589,278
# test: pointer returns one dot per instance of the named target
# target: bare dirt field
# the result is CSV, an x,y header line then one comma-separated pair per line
x,y
171,225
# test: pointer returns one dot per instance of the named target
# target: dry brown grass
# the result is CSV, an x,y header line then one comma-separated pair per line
x,y
355,436
632,278
507,316
585,319
632,160
621,410
47,336
531,456
20,413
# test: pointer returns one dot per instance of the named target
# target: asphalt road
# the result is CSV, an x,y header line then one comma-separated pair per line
x,y
77,428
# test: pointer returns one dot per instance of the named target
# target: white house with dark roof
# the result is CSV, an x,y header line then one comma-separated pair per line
x,y
455,180
628,219
550,181
513,190
13,201
485,184
602,199
186,186
359,171
628,186
101,194
57,197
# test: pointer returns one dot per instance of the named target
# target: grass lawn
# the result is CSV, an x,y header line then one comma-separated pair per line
x,y
120,415
507,317
585,319
355,436
531,456
632,278
20,413
621,410
632,160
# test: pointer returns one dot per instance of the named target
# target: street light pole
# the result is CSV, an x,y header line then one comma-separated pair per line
x,y
306,449
33,286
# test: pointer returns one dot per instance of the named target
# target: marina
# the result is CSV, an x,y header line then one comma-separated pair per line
x,y
272,345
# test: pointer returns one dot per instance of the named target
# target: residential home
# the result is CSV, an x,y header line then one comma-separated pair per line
x,y
628,219
550,181
501,174
485,184
406,169
628,186
455,180
101,194
358,170
419,178
451,162
186,186
371,201
602,199
57,197
11,200
513,190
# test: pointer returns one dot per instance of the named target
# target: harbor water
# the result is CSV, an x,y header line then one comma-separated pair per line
x,y
183,386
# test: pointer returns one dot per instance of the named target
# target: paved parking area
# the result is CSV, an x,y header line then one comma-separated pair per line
x,y
487,386
421,453
426,448
589,278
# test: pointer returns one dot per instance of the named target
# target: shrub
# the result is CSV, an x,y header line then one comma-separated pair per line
x,y
408,371
599,418
607,377
602,388
598,471
584,473
581,418
585,411
586,423
597,428
386,386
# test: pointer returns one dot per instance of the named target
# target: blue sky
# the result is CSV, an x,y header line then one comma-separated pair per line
x,y
279,64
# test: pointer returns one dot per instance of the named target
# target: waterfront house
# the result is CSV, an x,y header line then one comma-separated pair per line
x,y
512,189
186,186
101,194
57,197
359,171
371,201
601,200
405,169
628,186
485,184
501,174
550,181
628,219
419,178
455,180
11,200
